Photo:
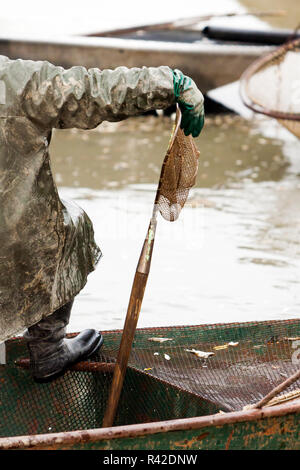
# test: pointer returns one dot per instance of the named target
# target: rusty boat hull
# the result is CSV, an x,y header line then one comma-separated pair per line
x,y
154,413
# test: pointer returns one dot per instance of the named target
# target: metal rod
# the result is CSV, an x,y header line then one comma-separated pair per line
x,y
83,366
264,401
253,36
66,439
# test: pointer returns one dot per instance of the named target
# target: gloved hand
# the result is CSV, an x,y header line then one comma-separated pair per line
x,y
190,100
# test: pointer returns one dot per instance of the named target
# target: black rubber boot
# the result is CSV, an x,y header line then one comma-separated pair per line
x,y
50,352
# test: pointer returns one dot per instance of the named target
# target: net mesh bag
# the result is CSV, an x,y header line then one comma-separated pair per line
x,y
173,372
271,86
178,175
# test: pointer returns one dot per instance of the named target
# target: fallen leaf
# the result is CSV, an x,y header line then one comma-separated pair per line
x,y
201,354
224,346
160,340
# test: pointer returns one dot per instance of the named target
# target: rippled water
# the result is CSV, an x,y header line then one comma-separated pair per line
x,y
234,254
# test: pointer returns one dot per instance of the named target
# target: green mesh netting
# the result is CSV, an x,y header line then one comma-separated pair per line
x,y
163,381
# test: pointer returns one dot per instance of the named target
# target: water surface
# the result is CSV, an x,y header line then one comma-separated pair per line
x,y
234,253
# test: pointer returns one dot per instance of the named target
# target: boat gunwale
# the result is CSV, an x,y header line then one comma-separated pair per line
x,y
138,44
70,438
210,326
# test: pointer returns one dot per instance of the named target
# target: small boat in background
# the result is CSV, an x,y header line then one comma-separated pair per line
x,y
212,56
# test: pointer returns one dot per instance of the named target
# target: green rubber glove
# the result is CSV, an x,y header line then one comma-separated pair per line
x,y
190,100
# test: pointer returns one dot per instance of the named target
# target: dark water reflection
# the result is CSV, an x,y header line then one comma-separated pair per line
x,y
234,253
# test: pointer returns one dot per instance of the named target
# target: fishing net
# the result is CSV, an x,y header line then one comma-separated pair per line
x,y
236,365
271,86
178,174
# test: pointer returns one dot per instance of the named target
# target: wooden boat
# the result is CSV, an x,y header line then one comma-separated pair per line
x,y
158,408
211,62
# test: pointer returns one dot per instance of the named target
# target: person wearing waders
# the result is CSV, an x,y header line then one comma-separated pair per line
x,y
47,244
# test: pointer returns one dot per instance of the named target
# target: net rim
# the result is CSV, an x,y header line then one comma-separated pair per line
x,y
225,325
257,65
203,325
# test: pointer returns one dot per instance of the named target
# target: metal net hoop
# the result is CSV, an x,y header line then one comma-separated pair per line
x,y
268,84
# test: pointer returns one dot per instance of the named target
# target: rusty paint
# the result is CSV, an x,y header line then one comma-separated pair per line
x,y
229,440
202,436
276,428
189,444
186,444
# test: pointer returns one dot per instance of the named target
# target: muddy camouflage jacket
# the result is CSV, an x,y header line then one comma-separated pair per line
x,y
47,245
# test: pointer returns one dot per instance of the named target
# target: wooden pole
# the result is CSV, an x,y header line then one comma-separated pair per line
x,y
133,312
136,298
273,393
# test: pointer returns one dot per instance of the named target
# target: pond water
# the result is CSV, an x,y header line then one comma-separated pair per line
x,y
234,253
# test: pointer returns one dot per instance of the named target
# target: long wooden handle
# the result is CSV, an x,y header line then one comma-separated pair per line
x,y
133,312
136,298
132,317
276,390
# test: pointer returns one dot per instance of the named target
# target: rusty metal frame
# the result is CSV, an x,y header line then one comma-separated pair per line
x,y
83,366
66,439
201,325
